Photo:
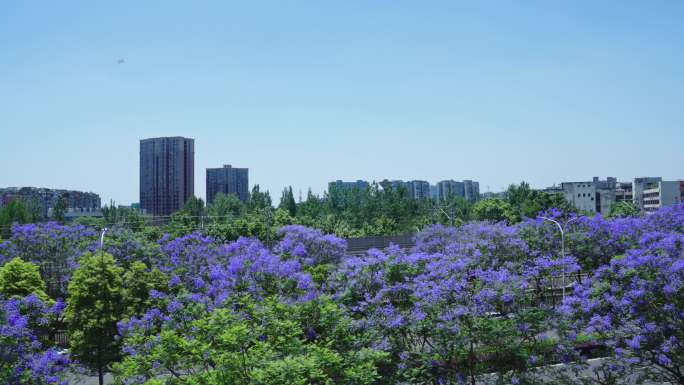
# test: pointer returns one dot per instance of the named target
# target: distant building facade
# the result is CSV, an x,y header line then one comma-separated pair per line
x,y
450,188
471,190
47,198
167,174
662,193
639,185
418,189
582,195
228,180
623,192
597,196
341,185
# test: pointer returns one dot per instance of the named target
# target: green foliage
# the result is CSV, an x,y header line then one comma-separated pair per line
x,y
266,343
259,200
13,212
19,278
623,210
194,207
224,208
122,216
96,223
137,283
248,225
527,203
287,202
282,217
380,209
95,304
495,210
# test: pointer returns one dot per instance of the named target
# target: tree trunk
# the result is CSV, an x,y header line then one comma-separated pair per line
x,y
100,375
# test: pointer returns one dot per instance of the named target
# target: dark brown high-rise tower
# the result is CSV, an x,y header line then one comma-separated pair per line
x,y
167,174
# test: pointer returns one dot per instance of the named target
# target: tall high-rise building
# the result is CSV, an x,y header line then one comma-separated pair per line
x,y
167,174
450,188
471,190
418,189
228,180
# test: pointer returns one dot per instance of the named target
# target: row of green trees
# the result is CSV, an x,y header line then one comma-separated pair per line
x,y
376,210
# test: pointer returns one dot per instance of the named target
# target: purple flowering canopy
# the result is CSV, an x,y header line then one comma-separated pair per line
x,y
23,356
480,303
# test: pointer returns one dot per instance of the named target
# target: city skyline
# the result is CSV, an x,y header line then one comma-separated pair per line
x,y
497,93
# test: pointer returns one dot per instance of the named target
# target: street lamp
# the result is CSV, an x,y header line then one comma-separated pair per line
x,y
561,227
104,230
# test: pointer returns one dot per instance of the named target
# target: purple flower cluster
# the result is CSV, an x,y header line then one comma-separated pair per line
x,y
205,276
23,356
634,303
53,247
310,246
431,306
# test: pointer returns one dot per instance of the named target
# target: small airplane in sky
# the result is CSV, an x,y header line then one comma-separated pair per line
x,y
120,61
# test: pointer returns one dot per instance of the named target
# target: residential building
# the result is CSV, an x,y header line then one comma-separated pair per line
x,y
471,190
338,184
228,180
662,193
167,174
639,185
449,188
418,189
434,192
47,198
393,184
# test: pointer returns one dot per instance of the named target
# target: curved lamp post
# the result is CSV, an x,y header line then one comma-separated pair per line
x,y
104,230
561,228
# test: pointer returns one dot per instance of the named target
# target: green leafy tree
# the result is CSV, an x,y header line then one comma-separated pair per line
x,y
13,212
264,343
138,281
194,207
527,202
225,208
95,304
19,278
287,202
181,223
258,199
622,210
495,210
282,218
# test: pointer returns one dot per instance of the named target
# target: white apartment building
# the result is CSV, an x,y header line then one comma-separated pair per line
x,y
664,193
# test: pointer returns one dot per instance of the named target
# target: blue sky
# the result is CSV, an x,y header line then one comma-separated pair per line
x,y
310,91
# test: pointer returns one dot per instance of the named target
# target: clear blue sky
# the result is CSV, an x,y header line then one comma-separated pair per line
x,y
310,91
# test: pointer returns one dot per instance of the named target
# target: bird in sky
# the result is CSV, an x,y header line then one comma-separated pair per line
x,y
120,61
